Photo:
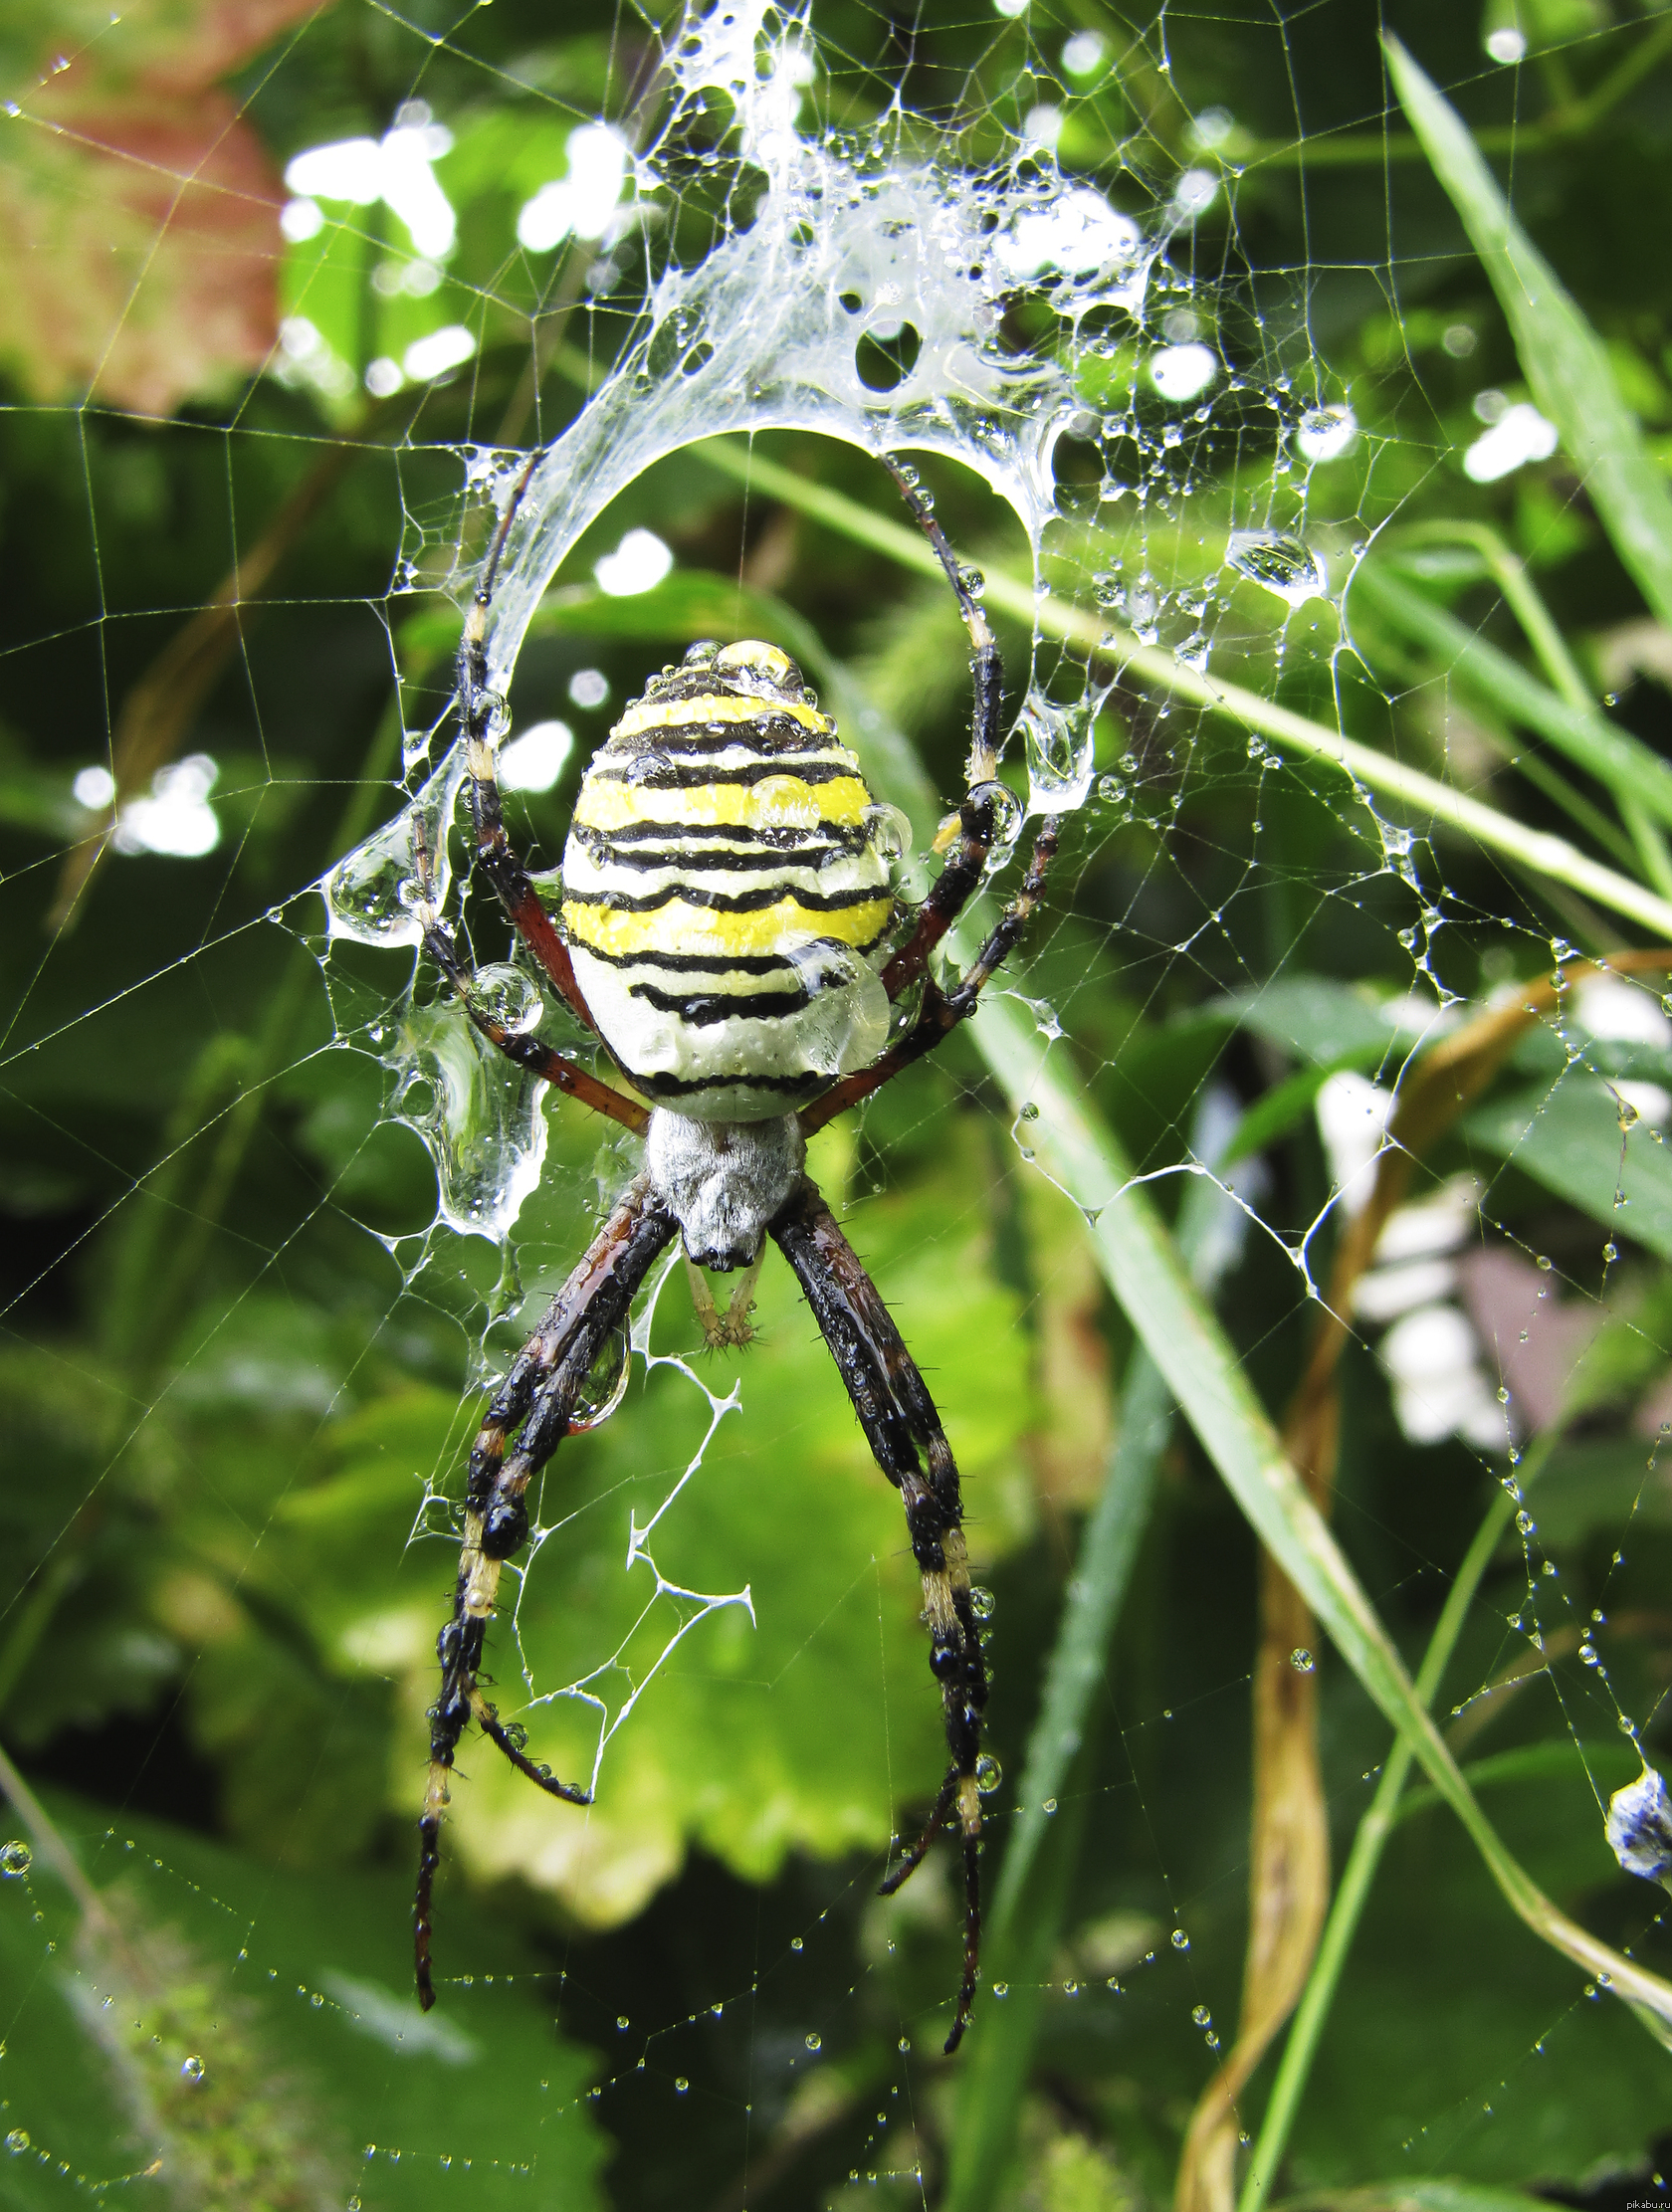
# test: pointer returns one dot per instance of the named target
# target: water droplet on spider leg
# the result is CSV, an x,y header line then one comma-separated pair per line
x,y
606,1382
507,995
982,1603
989,1774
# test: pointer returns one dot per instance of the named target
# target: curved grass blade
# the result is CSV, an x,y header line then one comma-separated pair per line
x,y
1562,354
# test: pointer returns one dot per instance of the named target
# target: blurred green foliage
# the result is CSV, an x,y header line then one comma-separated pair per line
x,y
242,1367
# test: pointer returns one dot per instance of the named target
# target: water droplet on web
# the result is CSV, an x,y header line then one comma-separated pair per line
x,y
191,2070
989,1774
373,893
16,1858
1302,1659
1525,1523
1049,1808
1180,1941
1202,2016
1058,743
815,2041
796,1945
1542,1263
622,2023
1282,562
1001,1989
681,2085
1610,1252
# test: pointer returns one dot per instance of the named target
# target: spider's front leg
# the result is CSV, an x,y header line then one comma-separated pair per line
x,y
535,1405
903,1432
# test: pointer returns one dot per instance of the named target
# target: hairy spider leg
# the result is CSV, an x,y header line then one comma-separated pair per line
x,y
478,707
535,1403
903,1432
528,1052
977,817
943,1011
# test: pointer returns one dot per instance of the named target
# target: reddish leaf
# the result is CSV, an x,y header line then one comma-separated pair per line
x,y
139,241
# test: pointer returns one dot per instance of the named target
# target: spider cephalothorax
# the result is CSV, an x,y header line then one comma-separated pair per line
x,y
729,930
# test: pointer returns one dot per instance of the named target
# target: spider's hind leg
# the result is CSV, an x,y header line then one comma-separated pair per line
x,y
903,1432
534,1405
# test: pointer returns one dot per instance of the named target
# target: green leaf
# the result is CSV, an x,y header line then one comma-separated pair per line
x,y
754,1738
293,1992
1572,1139
1613,755
1564,360
1315,1018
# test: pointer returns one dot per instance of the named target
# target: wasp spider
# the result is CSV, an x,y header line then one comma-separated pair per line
x,y
728,930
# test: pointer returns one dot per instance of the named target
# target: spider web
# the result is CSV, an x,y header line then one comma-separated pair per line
x,y
808,240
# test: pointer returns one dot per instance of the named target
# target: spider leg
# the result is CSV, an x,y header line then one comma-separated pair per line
x,y
978,818
943,1011
527,1052
478,707
535,1403
903,1432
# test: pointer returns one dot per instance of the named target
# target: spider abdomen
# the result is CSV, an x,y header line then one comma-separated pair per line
x,y
726,894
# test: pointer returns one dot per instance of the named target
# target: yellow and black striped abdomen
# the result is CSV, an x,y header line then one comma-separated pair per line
x,y
726,891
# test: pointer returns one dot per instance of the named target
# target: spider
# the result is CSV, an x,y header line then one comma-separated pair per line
x,y
728,930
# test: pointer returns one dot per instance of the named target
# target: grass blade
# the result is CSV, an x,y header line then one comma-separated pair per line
x,y
1147,1273
1358,1875
1561,355
1629,768
1029,1903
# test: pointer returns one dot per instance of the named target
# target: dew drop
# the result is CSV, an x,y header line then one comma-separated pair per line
x,y
1180,1941
16,1858
796,1945
17,2142
1001,1989
1283,563
622,2023
1202,2016
1302,1659
982,1603
681,2085
989,1774
191,2070
815,2041
1049,1807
